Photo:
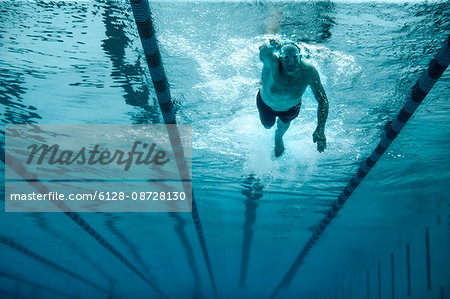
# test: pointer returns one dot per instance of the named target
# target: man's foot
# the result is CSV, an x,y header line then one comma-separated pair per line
x,y
279,146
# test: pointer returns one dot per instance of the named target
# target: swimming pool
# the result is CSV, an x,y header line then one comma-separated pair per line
x,y
82,62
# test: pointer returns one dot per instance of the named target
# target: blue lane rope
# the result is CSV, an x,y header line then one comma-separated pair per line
x,y
419,91
142,15
144,23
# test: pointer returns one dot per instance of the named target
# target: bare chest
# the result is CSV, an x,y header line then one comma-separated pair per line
x,y
282,93
288,88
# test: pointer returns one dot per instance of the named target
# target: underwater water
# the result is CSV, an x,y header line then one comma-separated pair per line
x,y
82,63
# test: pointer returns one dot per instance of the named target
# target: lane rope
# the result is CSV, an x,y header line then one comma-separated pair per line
x,y
146,30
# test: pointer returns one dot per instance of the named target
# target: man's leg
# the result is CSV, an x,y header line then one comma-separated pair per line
x,y
283,123
266,115
281,129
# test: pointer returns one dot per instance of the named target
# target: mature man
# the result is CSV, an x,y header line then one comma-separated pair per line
x,y
285,77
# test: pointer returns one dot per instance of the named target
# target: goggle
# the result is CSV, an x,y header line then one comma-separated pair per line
x,y
287,57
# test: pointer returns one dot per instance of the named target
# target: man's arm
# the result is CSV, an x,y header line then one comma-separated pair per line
x,y
322,111
266,51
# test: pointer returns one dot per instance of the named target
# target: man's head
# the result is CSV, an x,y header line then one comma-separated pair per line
x,y
290,58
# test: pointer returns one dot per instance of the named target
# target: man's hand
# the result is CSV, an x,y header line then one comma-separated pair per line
x,y
274,43
321,140
267,51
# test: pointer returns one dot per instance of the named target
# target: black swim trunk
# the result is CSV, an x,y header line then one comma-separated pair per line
x,y
267,115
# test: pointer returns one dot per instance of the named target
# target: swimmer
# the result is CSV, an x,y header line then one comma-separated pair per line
x,y
284,80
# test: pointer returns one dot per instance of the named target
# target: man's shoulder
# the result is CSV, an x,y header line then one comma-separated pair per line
x,y
309,71
307,67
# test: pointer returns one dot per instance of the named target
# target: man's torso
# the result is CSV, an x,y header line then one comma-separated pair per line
x,y
280,92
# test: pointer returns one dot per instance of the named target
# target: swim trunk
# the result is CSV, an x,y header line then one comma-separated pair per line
x,y
267,115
